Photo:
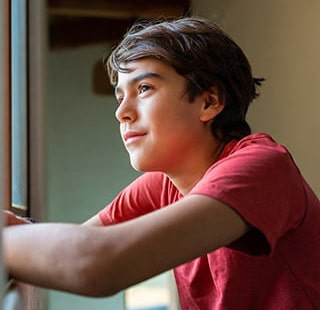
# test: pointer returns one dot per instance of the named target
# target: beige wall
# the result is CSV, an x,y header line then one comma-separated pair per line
x,y
281,39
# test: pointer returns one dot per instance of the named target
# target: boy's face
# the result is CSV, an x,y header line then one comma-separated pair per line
x,y
159,126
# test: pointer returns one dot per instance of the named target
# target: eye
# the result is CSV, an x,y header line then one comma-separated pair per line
x,y
119,99
143,88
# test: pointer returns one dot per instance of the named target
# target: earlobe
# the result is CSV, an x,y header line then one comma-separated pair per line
x,y
212,106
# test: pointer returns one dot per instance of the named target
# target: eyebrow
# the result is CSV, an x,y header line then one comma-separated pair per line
x,y
139,78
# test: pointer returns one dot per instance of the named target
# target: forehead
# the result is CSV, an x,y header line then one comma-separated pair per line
x,y
148,62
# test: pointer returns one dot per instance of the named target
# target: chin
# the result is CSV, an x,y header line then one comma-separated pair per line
x,y
140,166
136,165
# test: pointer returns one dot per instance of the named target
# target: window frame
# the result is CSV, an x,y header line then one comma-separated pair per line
x,y
5,110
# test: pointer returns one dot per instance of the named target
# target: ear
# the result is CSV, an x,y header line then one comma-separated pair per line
x,y
211,106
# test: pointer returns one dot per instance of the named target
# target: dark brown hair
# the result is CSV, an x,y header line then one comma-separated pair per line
x,y
205,55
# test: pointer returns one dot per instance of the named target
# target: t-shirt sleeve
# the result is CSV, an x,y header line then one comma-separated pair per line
x,y
263,185
140,197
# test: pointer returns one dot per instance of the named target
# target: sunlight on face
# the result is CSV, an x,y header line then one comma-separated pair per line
x,y
159,126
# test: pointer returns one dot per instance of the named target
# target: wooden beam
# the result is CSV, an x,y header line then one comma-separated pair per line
x,y
118,9
74,23
73,32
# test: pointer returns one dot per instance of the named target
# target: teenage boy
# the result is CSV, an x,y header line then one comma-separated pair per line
x,y
228,210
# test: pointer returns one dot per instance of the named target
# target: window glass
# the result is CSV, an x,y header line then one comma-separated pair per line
x,y
19,105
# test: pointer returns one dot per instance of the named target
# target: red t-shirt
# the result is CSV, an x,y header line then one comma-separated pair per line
x,y
276,265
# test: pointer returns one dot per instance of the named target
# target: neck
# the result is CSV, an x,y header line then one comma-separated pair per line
x,y
193,172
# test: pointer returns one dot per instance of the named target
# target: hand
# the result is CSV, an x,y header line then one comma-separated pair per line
x,y
11,219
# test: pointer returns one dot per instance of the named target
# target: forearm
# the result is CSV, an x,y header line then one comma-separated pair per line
x,y
100,261
57,256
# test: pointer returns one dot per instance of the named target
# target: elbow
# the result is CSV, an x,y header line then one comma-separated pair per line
x,y
98,280
98,288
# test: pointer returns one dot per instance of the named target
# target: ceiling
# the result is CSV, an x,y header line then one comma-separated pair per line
x,y
75,23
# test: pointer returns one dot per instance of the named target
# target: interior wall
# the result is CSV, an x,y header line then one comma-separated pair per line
x,y
86,164
281,40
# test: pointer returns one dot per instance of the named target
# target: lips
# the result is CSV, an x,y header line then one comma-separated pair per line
x,y
132,136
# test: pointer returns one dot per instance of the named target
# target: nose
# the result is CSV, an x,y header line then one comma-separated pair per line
x,y
126,112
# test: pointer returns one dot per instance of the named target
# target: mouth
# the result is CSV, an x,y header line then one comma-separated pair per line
x,y
132,136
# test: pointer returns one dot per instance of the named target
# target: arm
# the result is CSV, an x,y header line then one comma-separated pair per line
x,y
100,261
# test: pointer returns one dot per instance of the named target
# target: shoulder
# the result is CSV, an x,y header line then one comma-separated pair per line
x,y
258,178
255,153
258,141
256,161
